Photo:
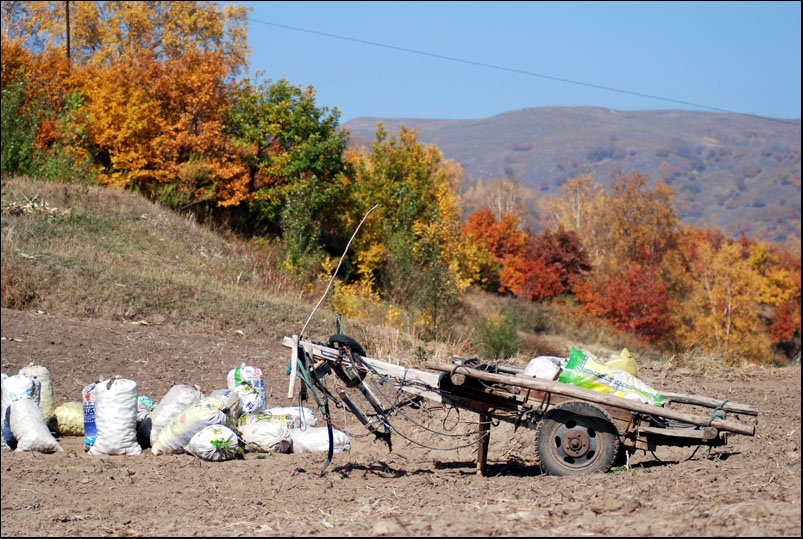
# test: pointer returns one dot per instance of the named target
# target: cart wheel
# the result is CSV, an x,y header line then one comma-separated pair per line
x,y
576,439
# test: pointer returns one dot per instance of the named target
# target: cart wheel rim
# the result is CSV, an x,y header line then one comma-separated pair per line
x,y
575,444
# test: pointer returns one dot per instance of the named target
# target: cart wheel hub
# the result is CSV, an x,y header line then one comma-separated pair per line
x,y
575,443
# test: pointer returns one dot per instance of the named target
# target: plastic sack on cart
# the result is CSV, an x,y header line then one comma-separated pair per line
x,y
46,392
624,362
29,427
116,418
584,371
215,443
177,399
69,419
316,440
14,388
545,367
265,437
177,434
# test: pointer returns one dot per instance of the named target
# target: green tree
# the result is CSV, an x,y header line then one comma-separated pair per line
x,y
294,151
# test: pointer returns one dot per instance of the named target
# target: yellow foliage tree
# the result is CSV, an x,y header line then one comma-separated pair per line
x,y
718,312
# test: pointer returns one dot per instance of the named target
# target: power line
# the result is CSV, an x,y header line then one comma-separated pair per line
x,y
522,72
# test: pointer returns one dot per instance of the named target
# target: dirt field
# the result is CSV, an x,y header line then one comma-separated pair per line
x,y
751,487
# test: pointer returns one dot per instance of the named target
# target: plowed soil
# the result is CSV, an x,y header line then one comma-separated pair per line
x,y
751,487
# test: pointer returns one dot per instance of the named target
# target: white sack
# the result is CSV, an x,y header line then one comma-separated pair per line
x,y
316,440
177,399
251,401
305,416
29,427
266,437
14,388
116,418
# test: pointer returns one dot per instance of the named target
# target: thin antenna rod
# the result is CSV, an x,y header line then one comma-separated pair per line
x,y
297,338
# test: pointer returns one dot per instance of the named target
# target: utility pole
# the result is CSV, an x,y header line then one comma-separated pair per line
x,y
67,9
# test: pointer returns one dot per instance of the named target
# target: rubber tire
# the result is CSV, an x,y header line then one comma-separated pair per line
x,y
588,419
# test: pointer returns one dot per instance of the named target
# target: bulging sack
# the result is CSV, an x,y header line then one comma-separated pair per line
x,y
250,374
293,417
69,419
265,437
116,418
177,399
46,392
29,428
14,388
177,434
316,440
215,443
584,371
251,402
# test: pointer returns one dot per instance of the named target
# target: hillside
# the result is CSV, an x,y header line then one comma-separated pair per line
x,y
736,172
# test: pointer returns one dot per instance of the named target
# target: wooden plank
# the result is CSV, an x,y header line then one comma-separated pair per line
x,y
728,406
291,389
709,433
600,398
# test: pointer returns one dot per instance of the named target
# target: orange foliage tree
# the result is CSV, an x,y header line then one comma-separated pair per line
x,y
552,263
503,238
636,301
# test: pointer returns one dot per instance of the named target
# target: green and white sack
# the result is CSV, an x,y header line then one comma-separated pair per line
x,y
215,443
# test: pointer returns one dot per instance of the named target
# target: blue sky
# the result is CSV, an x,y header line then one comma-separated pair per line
x,y
735,56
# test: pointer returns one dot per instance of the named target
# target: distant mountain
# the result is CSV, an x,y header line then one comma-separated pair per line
x,y
738,172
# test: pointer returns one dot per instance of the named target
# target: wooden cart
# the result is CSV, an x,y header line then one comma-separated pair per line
x,y
578,431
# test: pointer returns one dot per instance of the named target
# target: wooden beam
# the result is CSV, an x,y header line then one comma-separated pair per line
x,y
728,406
482,446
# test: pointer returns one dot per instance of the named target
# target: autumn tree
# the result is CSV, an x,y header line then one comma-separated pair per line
x,y
411,246
107,32
718,310
502,237
635,301
552,262
632,223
